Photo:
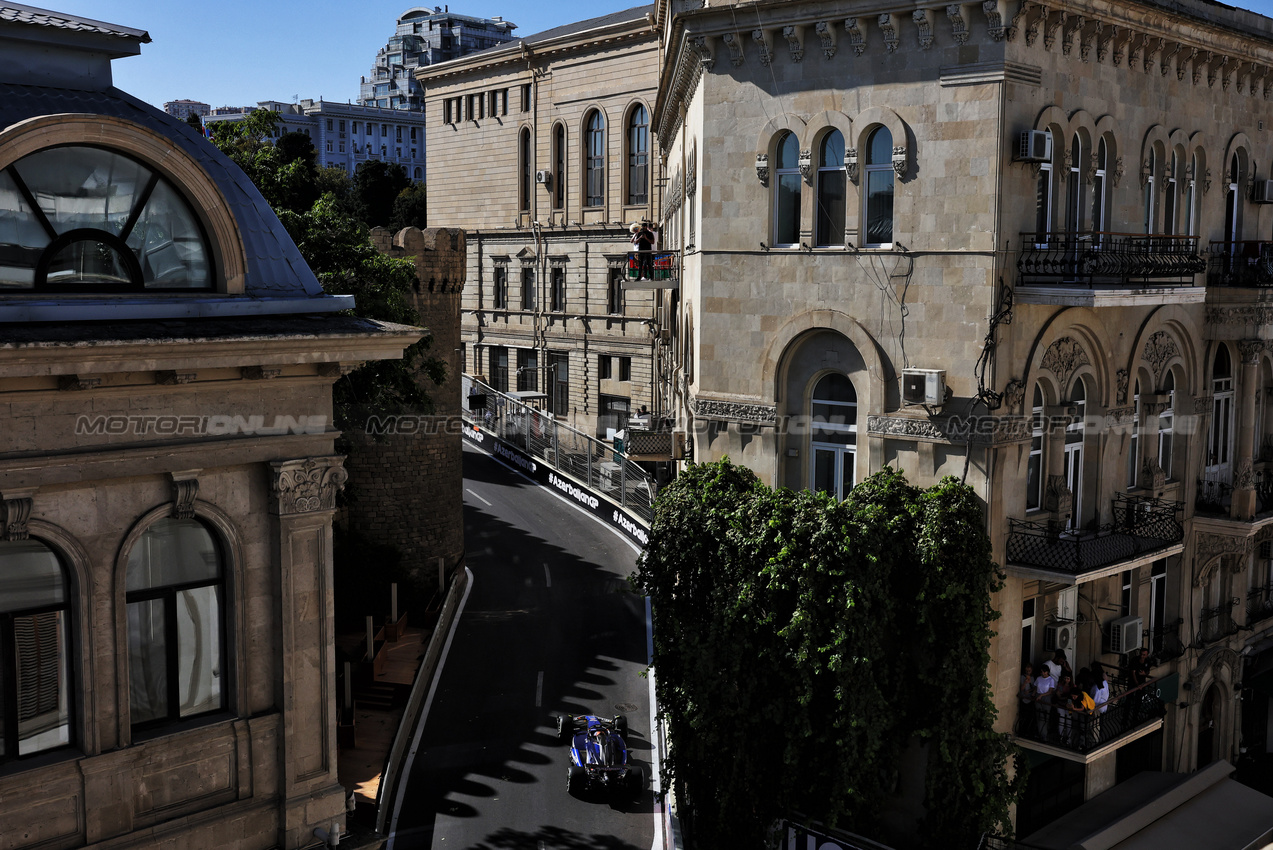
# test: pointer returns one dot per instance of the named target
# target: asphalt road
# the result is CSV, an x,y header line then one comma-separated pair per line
x,y
549,627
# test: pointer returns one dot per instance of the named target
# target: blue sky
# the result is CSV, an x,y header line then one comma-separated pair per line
x,y
236,52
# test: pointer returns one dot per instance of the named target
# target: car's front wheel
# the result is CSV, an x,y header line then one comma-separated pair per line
x,y
621,726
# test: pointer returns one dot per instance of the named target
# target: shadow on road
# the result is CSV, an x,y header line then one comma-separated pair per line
x,y
552,838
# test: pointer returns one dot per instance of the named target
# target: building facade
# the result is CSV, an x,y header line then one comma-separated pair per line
x,y
346,135
422,37
551,140
185,108
1027,246
168,474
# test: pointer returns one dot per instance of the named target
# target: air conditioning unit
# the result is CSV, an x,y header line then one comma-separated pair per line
x,y
1262,192
1059,636
543,176
1124,635
1035,146
924,386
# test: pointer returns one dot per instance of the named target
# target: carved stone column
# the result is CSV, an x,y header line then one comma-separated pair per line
x,y
1243,506
303,499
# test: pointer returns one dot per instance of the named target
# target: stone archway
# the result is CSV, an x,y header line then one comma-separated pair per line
x,y
1209,717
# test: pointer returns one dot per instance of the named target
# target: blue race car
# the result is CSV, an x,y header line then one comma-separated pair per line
x,y
598,754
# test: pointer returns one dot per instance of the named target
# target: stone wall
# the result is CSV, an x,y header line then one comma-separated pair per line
x,y
405,485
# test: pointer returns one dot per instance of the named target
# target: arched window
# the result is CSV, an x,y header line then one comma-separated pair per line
x,y
594,144
1148,204
1034,468
1072,467
419,173
1099,187
1220,442
1166,422
832,184
787,192
833,412
1233,204
1191,214
1171,189
176,631
559,167
1133,448
879,189
524,164
78,218
35,650
1043,199
1076,203
638,157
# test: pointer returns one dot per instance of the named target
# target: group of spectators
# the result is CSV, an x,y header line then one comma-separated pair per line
x,y
1073,707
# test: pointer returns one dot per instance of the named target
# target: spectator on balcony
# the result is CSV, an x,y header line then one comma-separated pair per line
x,y
1026,693
1140,668
1044,688
1059,665
1062,702
643,241
1100,697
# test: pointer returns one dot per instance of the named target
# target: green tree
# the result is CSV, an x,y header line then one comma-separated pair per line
x,y
816,642
376,185
193,121
335,182
410,208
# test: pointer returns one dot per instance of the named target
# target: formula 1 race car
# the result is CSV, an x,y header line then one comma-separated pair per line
x,y
598,754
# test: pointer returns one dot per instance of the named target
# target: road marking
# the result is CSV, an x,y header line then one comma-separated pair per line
x,y
548,579
479,498
539,690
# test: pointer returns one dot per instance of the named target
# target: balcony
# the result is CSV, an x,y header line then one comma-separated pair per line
x,y
1165,643
661,275
1243,264
1217,623
1083,733
1215,495
1259,604
1116,269
1142,526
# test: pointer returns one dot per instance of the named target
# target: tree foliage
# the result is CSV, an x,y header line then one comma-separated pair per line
x,y
376,185
803,644
410,208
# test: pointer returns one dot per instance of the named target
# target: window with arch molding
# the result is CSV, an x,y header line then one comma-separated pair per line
x,y
78,218
175,597
1171,194
638,156
1099,187
1076,203
1034,466
1149,199
524,177
559,167
35,651
878,196
1190,210
1133,448
832,191
1072,464
595,160
786,211
833,447
1220,441
1043,199
1166,424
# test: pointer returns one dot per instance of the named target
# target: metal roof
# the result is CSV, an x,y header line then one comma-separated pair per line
x,y
19,14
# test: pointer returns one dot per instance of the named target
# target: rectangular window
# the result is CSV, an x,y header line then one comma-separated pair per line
x,y
413,136
625,368
355,127
500,286
1125,600
614,412
342,126
526,97
342,147
1034,470
1157,605
559,383
492,103
329,147
559,289
399,135
528,288
614,292
329,125
527,370
604,367
384,131
499,369
503,102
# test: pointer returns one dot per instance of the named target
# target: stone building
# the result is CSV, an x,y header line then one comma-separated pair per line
x,y
167,473
184,108
1025,245
542,152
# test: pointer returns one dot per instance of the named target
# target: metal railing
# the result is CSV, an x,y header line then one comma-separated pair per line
x,y
1216,623
1259,604
661,267
1165,642
1141,525
1215,495
598,464
1098,257
1246,263
1083,731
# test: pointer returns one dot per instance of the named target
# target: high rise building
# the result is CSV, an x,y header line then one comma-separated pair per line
x,y
424,37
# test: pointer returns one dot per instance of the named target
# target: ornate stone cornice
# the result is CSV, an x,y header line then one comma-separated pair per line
x,y
733,411
16,505
306,485
980,430
1249,314
1206,545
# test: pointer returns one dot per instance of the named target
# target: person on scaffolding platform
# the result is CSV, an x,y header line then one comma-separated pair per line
x,y
643,241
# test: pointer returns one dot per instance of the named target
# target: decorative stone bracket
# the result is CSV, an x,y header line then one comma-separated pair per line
x,y
306,485
851,163
900,163
794,35
185,489
762,168
806,165
16,512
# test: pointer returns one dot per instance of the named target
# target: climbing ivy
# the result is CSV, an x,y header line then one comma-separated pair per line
x,y
806,648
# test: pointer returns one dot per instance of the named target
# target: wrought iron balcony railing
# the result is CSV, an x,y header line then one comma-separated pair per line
x,y
1165,642
1259,604
1110,259
1215,495
1141,526
1216,623
1247,263
1081,731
